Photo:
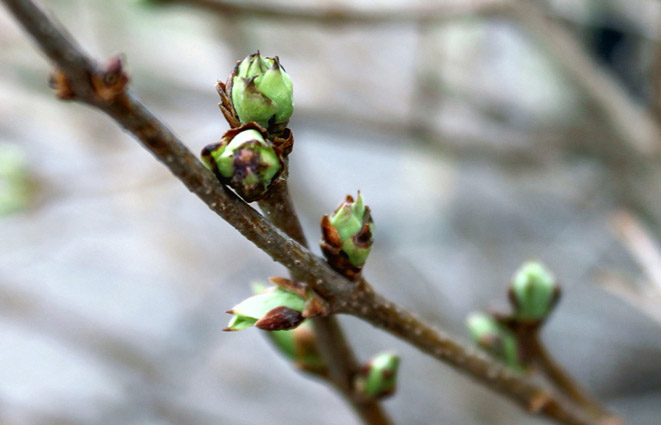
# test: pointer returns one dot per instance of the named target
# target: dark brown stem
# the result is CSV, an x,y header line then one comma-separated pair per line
x,y
357,298
332,344
566,383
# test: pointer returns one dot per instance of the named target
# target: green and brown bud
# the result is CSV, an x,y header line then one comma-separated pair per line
x,y
245,160
495,339
258,90
378,378
533,292
272,309
348,236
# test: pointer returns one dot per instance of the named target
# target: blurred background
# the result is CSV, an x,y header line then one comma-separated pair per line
x,y
480,135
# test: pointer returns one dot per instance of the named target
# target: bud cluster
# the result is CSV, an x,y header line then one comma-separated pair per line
x,y
533,294
257,102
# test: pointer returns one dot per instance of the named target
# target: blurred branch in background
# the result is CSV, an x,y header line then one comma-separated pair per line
x,y
645,294
340,15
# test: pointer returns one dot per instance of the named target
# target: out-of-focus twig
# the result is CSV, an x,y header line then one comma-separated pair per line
x,y
646,294
630,121
640,243
342,15
641,298
356,298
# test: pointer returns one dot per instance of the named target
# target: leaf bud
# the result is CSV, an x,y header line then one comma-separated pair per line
x,y
245,161
259,90
378,378
348,236
273,309
533,292
495,339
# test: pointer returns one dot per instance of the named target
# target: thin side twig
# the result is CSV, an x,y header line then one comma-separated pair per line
x,y
641,245
567,384
331,342
358,299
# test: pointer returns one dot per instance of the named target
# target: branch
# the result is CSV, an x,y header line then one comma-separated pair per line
x,y
333,346
358,299
340,15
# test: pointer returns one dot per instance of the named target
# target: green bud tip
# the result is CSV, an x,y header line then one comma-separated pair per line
x,y
379,377
533,292
262,92
354,225
272,309
492,337
245,161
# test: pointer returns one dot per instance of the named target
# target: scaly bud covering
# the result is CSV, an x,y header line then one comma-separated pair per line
x,y
495,339
245,161
348,236
273,309
533,293
378,378
258,90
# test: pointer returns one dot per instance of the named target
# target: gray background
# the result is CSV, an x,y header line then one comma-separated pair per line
x,y
473,150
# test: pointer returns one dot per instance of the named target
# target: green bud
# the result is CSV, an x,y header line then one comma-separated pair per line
x,y
534,292
378,378
495,339
245,161
16,184
349,231
272,309
262,92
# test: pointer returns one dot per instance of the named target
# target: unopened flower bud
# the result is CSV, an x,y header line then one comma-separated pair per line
x,y
261,92
348,235
245,161
534,292
273,309
378,378
495,339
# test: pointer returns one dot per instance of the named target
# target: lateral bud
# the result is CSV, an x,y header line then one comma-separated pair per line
x,y
533,293
347,236
245,160
378,378
495,339
272,309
